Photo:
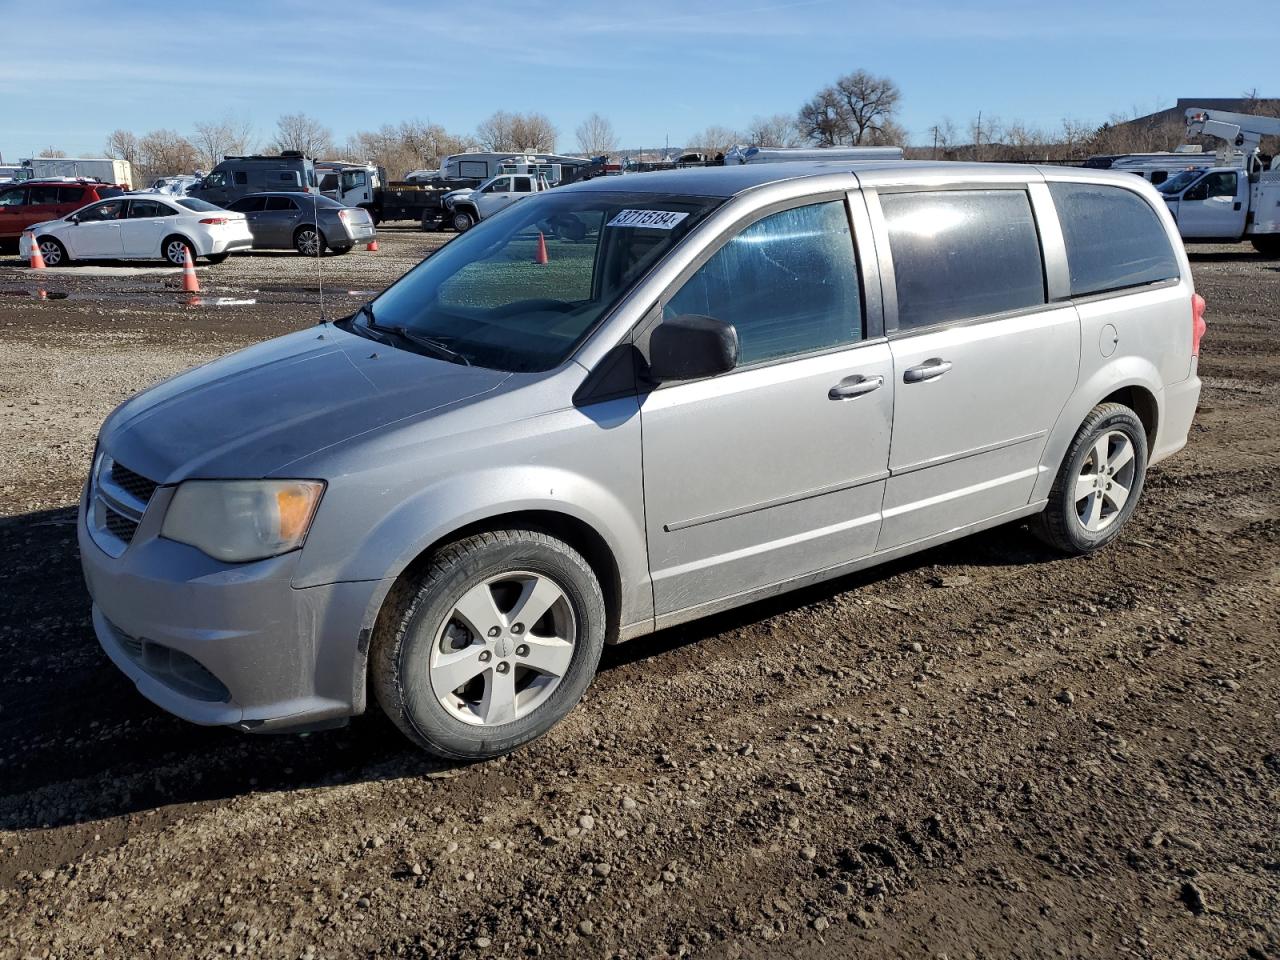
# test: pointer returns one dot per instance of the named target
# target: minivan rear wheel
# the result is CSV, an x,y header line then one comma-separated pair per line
x,y
491,645
1098,484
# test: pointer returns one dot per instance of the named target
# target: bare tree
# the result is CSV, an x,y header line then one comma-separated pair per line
x,y
517,132
413,145
858,109
596,136
869,103
53,152
778,130
214,140
821,119
123,145
165,152
297,131
714,140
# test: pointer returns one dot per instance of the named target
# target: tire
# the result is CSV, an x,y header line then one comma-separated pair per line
x,y
462,220
1069,522
340,250
216,258
423,644
309,241
172,249
54,253
1268,246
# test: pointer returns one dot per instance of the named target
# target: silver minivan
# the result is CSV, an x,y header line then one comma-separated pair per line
x,y
625,404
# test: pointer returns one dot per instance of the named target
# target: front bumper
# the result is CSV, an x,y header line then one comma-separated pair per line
x,y
223,644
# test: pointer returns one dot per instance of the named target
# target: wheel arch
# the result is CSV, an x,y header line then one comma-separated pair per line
x,y
1133,381
575,531
179,235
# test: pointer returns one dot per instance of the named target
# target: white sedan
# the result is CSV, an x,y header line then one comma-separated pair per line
x,y
141,227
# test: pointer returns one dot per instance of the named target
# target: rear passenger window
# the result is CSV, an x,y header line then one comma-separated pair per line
x,y
960,254
44,195
241,177
1114,239
281,203
788,282
70,194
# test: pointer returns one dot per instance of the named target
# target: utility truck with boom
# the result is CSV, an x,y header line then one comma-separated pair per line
x,y
1238,197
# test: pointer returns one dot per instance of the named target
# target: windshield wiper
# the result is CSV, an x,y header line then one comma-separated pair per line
x,y
434,347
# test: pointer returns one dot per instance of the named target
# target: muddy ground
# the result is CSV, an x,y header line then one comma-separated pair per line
x,y
981,751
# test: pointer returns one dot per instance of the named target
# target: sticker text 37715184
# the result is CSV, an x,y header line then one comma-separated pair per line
x,y
652,219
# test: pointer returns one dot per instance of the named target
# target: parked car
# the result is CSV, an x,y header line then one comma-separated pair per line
x,y
141,227
309,223
740,381
22,205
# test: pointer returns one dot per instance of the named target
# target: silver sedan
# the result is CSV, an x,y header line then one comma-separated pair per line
x,y
306,222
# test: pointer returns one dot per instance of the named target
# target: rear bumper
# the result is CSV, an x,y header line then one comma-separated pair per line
x,y
230,246
1177,413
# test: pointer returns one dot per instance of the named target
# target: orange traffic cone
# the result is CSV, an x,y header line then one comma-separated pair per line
x,y
541,255
189,282
37,258
372,246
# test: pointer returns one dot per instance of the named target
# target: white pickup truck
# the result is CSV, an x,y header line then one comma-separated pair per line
x,y
1229,201
465,208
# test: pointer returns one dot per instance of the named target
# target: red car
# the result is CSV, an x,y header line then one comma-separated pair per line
x,y
34,201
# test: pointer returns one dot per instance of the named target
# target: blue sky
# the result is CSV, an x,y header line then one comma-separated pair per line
x,y
656,68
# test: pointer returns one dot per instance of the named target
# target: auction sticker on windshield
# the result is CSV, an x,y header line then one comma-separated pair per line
x,y
653,219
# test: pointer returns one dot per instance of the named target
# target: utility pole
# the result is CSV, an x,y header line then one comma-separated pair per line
x,y
977,139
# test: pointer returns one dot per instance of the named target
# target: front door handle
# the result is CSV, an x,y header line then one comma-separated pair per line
x,y
931,369
854,386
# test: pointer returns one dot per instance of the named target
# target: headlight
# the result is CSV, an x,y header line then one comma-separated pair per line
x,y
240,520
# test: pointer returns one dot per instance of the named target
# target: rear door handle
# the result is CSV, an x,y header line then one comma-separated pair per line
x,y
931,369
854,386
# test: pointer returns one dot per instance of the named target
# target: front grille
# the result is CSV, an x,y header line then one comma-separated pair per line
x,y
132,483
119,498
118,525
173,668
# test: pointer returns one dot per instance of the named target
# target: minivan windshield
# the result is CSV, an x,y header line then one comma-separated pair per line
x,y
522,289
1175,185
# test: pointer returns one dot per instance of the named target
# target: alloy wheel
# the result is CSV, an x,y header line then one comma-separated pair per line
x,y
504,648
1105,479
51,252
309,243
176,253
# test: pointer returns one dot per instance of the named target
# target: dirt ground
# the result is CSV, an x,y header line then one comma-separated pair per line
x,y
980,751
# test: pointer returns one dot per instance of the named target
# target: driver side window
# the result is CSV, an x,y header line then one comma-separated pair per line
x,y
788,283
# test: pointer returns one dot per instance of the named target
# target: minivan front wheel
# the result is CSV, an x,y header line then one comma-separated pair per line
x,y
491,646
1099,482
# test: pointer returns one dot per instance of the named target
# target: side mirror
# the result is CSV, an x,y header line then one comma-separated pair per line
x,y
690,347
74,218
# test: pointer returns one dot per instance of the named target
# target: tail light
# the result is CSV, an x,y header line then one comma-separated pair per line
x,y
215,221
344,215
1197,323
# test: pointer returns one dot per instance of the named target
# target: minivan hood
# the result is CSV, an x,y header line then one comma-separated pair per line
x,y
254,412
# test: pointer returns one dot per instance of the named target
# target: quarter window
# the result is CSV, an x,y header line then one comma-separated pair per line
x,y
788,283
1114,239
961,254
